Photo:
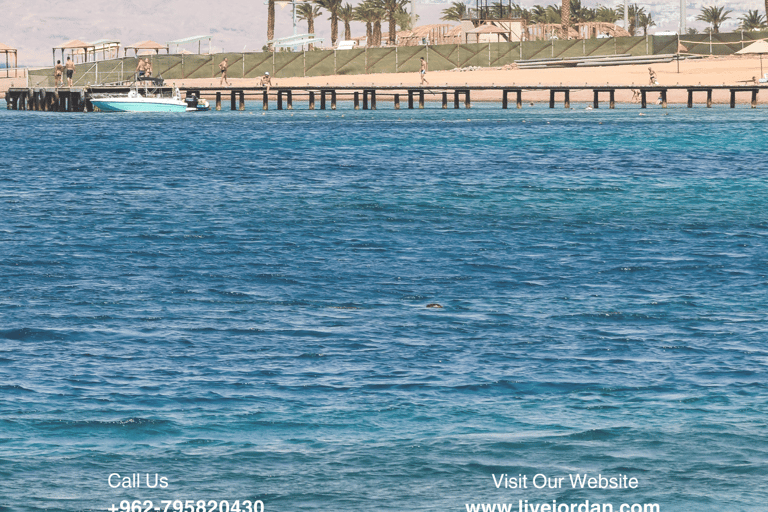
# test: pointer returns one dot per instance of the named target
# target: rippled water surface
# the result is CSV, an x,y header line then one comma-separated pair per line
x,y
236,301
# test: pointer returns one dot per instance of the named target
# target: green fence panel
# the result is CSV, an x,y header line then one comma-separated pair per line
x,y
85,74
256,64
726,44
504,53
750,37
199,66
598,47
289,64
568,48
112,71
693,43
166,66
322,62
408,60
350,62
633,45
662,45
537,50
42,78
441,57
473,55
382,60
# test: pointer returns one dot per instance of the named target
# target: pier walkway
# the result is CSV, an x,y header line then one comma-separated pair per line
x,y
365,97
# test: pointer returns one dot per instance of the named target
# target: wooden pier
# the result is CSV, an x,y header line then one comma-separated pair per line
x,y
365,97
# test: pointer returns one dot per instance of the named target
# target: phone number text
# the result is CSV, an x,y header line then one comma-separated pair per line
x,y
188,506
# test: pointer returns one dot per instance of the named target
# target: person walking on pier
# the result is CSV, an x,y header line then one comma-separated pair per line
x,y
58,74
223,68
70,71
423,71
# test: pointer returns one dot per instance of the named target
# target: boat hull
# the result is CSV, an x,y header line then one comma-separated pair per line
x,y
139,105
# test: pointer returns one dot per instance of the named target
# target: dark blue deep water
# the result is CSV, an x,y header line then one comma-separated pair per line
x,y
236,302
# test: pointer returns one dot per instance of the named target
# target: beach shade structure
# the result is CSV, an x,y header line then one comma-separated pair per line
x,y
488,28
759,48
7,50
187,40
146,45
73,45
109,49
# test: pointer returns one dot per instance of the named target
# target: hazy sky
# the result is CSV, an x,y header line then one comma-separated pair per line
x,y
35,26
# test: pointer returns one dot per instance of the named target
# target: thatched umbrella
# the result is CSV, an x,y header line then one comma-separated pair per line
x,y
758,47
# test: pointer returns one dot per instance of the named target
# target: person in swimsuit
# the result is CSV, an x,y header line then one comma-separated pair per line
x,y
148,66
58,74
266,81
423,71
652,75
223,68
141,69
70,71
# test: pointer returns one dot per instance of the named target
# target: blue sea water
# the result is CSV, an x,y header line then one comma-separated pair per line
x,y
236,302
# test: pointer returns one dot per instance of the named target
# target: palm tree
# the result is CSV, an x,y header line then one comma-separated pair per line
x,y
539,14
646,21
498,10
521,12
392,7
565,17
766,8
378,9
581,14
607,15
753,20
271,21
347,15
404,19
634,15
306,11
714,16
458,10
365,13
332,6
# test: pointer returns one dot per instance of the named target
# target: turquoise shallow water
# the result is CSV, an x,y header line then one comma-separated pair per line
x,y
237,302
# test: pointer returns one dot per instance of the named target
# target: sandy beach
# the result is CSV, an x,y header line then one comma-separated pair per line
x,y
730,70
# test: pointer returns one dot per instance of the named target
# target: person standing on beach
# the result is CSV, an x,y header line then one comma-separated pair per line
x,y
423,71
58,74
223,69
266,81
70,71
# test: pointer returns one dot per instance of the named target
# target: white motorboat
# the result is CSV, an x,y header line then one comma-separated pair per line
x,y
150,101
